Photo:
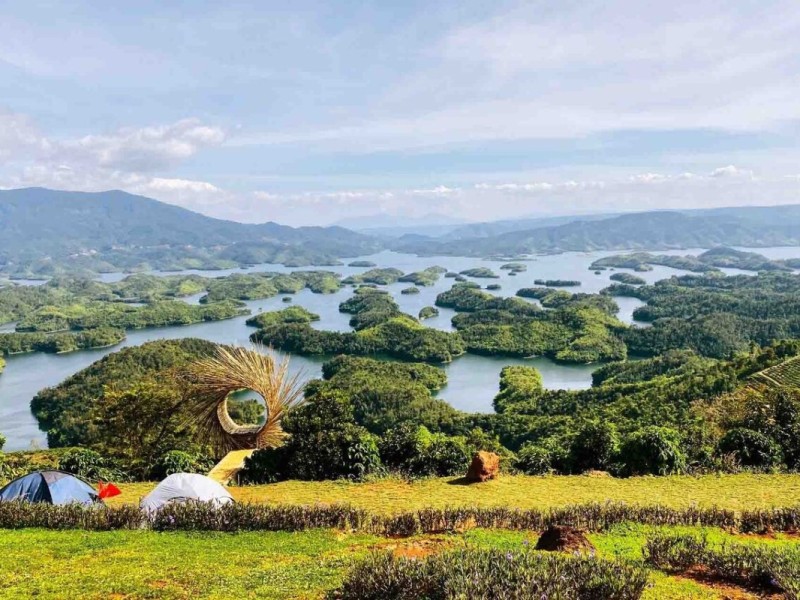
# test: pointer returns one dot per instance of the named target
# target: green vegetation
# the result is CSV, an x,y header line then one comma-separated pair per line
x,y
126,405
293,314
410,291
253,286
380,329
514,267
494,287
709,260
428,312
480,272
376,276
627,278
713,315
426,277
18,343
362,263
485,574
580,329
557,282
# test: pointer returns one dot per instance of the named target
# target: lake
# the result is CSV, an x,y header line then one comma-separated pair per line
x,y
472,380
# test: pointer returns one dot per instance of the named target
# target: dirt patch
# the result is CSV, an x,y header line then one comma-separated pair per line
x,y
728,590
416,548
558,538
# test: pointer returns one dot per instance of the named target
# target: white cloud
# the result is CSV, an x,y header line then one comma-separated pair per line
x,y
142,149
731,171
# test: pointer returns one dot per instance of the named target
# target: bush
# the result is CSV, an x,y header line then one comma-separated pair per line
x,y
178,461
445,456
325,443
594,447
2,441
533,460
86,464
485,574
750,448
402,447
653,451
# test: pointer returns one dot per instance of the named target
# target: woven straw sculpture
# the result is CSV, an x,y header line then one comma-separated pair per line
x,y
233,369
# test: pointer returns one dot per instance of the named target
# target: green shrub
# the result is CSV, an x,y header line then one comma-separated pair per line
x,y
445,456
533,460
2,441
492,574
325,443
178,461
750,448
653,451
86,464
402,447
594,447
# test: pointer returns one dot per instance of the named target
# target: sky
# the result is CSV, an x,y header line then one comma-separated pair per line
x,y
309,112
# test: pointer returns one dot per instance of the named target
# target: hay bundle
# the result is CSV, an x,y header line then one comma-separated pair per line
x,y
235,369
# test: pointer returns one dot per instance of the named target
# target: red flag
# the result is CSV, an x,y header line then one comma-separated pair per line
x,y
107,490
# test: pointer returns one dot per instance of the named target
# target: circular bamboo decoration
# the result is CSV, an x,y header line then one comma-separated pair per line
x,y
233,369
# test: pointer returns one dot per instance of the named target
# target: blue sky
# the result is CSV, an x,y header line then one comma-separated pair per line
x,y
312,112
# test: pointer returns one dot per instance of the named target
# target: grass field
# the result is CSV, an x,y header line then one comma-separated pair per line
x,y
734,492
277,565
144,564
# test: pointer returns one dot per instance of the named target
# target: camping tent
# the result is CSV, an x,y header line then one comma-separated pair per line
x,y
52,487
183,487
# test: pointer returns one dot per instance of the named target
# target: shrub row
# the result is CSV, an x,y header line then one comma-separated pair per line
x,y
265,517
748,565
485,574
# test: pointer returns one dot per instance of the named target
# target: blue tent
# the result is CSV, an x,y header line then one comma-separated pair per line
x,y
52,487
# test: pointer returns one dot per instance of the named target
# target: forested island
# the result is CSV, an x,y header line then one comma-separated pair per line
x,y
710,260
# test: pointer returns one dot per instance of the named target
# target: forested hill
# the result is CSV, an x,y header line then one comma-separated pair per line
x,y
754,227
43,231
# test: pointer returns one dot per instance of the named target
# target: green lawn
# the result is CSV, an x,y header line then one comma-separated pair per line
x,y
145,564
734,492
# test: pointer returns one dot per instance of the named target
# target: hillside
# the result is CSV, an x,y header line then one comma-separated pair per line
x,y
46,231
754,227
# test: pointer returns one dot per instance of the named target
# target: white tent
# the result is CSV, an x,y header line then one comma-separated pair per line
x,y
183,487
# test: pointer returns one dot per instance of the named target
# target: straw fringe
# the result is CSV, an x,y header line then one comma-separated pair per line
x,y
233,369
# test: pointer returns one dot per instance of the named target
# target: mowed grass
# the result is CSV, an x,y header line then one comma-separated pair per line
x,y
735,492
66,565
145,564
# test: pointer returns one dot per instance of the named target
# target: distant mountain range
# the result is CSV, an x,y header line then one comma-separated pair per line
x,y
46,232
655,230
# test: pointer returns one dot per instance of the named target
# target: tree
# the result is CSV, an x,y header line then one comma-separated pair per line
x,y
594,447
653,451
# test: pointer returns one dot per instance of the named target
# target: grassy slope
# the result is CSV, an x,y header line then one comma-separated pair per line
x,y
390,495
144,564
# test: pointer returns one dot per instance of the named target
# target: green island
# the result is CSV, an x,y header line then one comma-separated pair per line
x,y
627,278
514,267
426,277
557,282
480,273
410,291
710,260
428,312
379,276
362,263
